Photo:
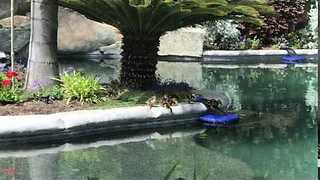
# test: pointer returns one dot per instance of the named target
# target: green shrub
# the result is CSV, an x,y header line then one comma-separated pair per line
x,y
289,16
250,43
49,94
77,86
221,34
256,43
9,95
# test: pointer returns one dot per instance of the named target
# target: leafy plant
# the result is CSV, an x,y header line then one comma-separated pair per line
x,y
49,94
10,88
250,43
77,86
221,34
291,15
255,43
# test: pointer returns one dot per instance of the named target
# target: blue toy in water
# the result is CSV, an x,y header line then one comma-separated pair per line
x,y
289,59
292,57
218,120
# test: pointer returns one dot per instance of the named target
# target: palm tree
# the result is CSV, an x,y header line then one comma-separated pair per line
x,y
42,62
142,22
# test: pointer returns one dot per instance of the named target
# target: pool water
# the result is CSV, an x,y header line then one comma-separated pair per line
x,y
274,140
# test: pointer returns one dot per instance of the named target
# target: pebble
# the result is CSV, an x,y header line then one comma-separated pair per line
x,y
3,55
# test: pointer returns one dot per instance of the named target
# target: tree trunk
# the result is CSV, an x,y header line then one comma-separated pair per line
x,y
42,63
139,61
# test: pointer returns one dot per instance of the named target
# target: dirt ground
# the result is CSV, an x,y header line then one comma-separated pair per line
x,y
33,107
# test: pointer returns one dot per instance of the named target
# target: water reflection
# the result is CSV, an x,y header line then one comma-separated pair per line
x,y
275,139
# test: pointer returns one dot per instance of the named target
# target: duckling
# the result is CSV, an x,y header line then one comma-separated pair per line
x,y
167,101
213,105
151,102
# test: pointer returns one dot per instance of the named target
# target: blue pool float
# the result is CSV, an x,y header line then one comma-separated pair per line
x,y
215,119
290,59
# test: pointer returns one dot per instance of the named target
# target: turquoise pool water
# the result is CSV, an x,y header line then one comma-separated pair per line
x,y
275,139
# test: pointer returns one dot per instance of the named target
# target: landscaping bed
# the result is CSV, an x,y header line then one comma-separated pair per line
x,y
38,107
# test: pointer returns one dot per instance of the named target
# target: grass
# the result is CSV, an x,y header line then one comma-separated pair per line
x,y
128,99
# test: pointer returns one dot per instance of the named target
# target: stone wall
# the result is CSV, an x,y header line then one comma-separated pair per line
x,y
183,42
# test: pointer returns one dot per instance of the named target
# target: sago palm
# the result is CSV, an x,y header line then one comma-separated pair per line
x,y
142,22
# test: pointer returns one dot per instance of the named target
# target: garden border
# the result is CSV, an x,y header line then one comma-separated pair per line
x,y
68,126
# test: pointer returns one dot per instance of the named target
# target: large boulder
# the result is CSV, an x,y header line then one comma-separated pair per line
x,y
21,33
76,34
20,7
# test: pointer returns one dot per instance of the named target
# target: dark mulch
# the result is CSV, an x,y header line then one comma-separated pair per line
x,y
33,107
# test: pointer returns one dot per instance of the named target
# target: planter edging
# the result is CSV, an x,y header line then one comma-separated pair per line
x,y
76,124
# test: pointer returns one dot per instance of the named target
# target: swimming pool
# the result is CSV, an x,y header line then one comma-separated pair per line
x,y
275,139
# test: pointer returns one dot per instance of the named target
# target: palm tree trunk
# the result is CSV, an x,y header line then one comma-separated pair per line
x,y
42,63
139,61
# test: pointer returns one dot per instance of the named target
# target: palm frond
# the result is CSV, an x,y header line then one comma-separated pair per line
x,y
155,17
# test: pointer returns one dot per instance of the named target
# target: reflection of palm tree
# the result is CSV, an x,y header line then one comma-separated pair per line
x,y
143,22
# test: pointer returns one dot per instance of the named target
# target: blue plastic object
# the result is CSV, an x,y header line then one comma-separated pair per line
x,y
213,119
292,59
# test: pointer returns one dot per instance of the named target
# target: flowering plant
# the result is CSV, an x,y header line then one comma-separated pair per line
x,y
10,87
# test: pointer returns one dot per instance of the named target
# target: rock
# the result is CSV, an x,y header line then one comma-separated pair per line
x,y
182,42
21,7
5,8
21,38
3,55
2,67
78,34
111,49
19,21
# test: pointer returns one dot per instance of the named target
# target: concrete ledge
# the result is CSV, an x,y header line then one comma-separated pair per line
x,y
257,52
172,58
254,56
72,125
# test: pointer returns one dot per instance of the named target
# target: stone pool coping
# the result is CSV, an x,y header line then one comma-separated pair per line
x,y
66,126
210,56
257,52
254,56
